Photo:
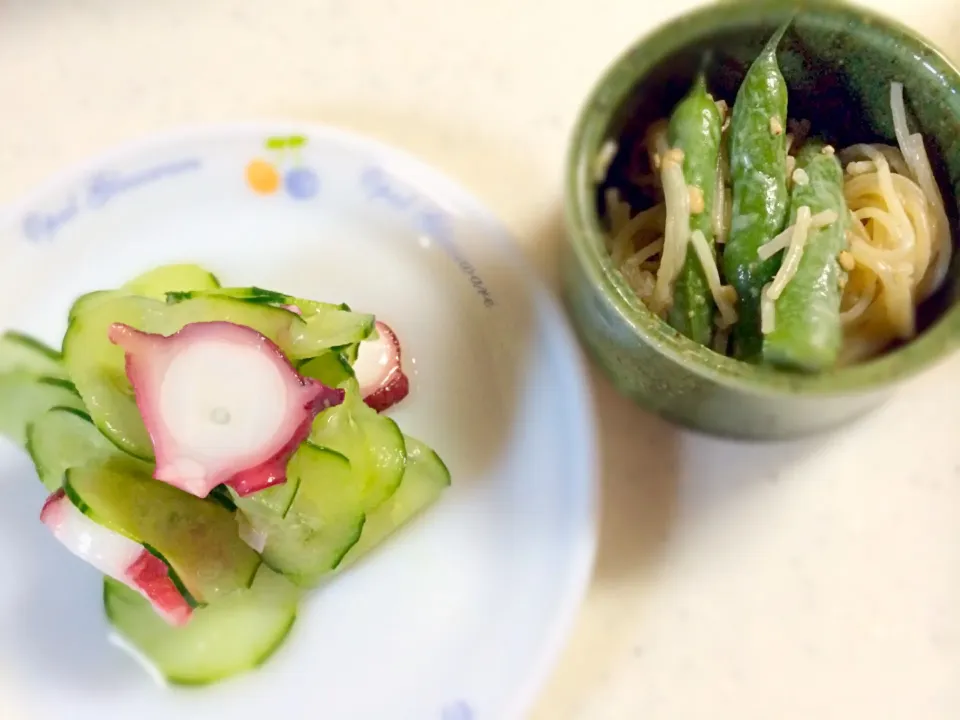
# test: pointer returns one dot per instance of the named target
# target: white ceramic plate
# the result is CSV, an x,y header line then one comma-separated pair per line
x,y
460,616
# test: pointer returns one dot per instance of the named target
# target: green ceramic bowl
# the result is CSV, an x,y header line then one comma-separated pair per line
x,y
839,62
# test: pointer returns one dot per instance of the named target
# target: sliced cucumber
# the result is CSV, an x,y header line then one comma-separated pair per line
x,y
197,538
332,368
296,337
373,443
62,438
259,295
24,397
154,284
234,635
308,539
423,482
332,325
158,282
350,352
22,353
98,369
284,328
89,300
247,294
222,495
340,327
274,501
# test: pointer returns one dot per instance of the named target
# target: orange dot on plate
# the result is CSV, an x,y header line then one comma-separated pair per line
x,y
263,177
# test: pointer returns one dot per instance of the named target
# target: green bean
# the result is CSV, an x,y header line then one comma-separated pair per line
x,y
807,332
695,128
758,173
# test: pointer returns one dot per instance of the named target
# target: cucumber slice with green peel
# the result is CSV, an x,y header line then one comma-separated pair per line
x,y
308,539
247,294
297,338
332,368
373,443
196,538
98,367
276,500
424,481
22,353
258,295
154,284
116,556
62,438
158,282
236,634
336,324
24,397
341,327
85,302
221,494
350,352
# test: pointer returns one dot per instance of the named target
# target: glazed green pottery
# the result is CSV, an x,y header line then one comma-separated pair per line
x,y
839,62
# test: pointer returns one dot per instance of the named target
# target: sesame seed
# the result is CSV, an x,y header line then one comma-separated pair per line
x,y
846,260
697,204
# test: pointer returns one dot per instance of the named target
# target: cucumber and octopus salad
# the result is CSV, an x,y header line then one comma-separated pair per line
x,y
214,452
751,236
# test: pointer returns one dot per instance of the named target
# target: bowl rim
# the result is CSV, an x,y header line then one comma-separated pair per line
x,y
584,234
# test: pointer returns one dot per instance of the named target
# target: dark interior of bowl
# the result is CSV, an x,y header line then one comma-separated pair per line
x,y
838,63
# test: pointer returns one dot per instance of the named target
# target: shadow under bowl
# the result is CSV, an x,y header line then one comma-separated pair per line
x,y
838,62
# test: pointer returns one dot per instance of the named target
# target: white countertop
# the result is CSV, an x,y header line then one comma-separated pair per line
x,y
818,581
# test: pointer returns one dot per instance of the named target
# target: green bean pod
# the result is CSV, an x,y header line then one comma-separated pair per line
x,y
808,334
695,128
758,174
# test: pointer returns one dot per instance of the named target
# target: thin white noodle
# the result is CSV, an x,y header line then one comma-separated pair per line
x,y
641,256
892,200
782,241
768,311
794,253
915,155
656,142
603,160
677,227
898,296
942,242
899,110
892,154
623,242
885,220
898,266
867,252
863,190
856,228
867,185
712,273
866,296
895,158
873,259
